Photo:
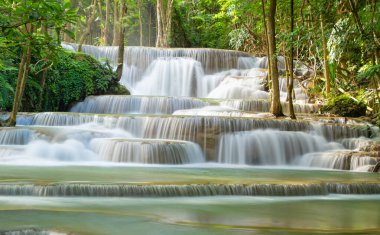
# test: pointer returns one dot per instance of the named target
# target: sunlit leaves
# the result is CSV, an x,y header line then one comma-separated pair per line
x,y
237,38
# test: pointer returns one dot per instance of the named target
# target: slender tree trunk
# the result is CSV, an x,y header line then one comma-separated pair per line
x,y
44,72
90,22
326,69
266,37
356,17
275,95
102,22
159,37
120,57
21,79
164,22
116,22
150,26
376,52
66,37
107,23
168,26
16,99
140,22
291,66
69,26
25,72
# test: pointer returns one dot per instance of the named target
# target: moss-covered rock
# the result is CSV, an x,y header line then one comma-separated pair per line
x,y
344,106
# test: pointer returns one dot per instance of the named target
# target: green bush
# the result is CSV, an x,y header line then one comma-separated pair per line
x,y
73,77
344,106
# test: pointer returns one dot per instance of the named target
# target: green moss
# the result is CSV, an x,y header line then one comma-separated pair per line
x,y
344,106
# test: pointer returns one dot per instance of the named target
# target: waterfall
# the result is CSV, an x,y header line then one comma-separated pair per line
x,y
262,105
167,126
251,62
333,160
128,190
333,131
358,143
260,62
268,147
340,160
299,93
101,52
194,72
32,232
357,162
68,151
211,81
15,136
172,77
240,88
213,60
216,111
136,104
201,131
138,59
7,151
147,151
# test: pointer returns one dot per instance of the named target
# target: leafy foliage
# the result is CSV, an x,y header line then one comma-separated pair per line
x,y
75,76
369,72
71,78
6,91
201,25
344,106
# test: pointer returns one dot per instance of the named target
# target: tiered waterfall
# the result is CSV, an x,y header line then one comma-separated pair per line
x,y
196,126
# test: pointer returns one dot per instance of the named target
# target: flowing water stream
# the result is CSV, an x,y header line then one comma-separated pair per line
x,y
193,150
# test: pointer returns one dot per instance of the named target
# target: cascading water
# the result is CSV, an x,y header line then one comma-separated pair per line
x,y
136,104
147,151
220,143
239,88
171,77
285,147
197,72
251,62
15,136
138,59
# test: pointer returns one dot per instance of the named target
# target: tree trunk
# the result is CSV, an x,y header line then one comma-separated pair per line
x,y
150,26
356,18
90,22
21,80
69,26
164,22
107,24
120,57
102,23
289,82
376,52
12,118
140,22
159,38
376,168
116,22
326,70
266,36
66,37
272,57
44,72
